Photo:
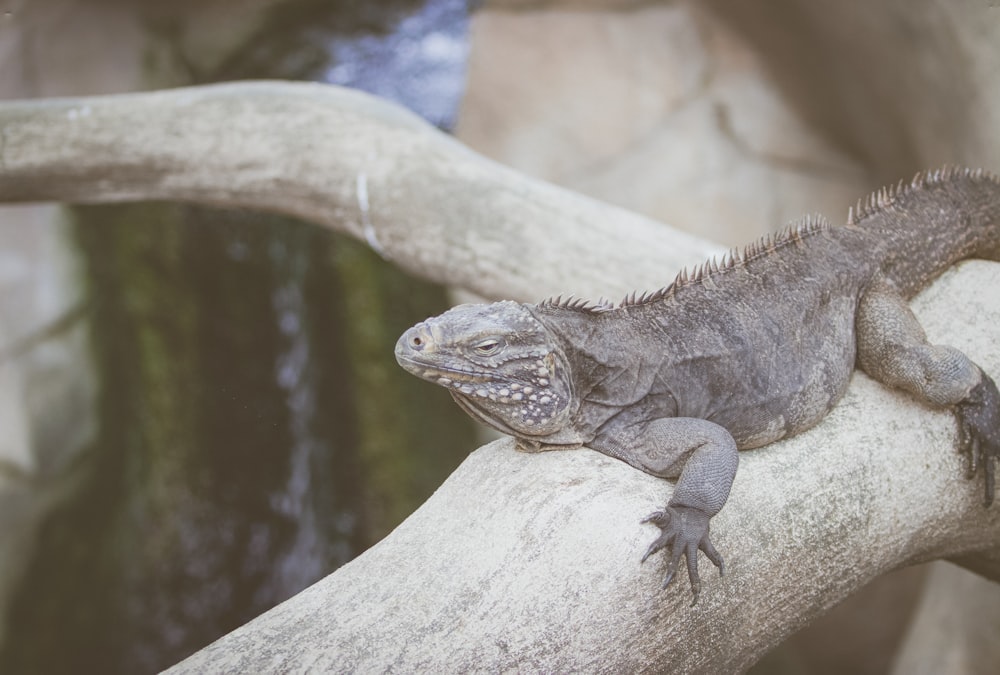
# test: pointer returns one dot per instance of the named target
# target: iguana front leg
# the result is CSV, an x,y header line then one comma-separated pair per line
x,y
704,455
893,348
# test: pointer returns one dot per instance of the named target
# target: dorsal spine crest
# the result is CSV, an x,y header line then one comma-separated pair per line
x,y
733,259
736,258
886,197
876,202
578,304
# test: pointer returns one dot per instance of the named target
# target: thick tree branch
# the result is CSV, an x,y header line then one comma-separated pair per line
x,y
531,562
346,160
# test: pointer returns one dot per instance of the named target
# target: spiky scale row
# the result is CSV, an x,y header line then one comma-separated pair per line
x,y
736,258
884,198
578,304
866,207
731,260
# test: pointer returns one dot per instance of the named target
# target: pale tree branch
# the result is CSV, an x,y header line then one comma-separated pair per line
x,y
346,160
531,562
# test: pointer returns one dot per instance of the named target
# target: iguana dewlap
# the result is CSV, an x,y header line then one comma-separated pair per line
x,y
736,355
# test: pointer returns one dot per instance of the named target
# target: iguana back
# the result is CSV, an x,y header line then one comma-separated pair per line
x,y
923,227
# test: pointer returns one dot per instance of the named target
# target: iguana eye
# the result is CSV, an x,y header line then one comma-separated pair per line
x,y
487,347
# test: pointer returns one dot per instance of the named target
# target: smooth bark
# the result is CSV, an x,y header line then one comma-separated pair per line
x,y
346,160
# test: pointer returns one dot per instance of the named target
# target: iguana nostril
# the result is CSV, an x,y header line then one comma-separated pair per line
x,y
418,338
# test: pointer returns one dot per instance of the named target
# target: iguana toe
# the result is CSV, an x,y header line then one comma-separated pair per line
x,y
685,531
979,432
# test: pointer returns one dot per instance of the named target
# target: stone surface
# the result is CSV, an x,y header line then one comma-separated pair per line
x,y
658,108
898,84
955,629
38,59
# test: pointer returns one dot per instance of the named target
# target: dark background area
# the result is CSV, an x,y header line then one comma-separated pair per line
x,y
255,432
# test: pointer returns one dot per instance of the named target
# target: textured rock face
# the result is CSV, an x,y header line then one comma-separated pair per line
x,y
728,119
661,109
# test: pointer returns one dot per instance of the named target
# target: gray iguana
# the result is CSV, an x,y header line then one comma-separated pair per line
x,y
734,355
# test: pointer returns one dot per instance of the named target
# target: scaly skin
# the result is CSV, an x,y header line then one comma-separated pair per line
x,y
735,355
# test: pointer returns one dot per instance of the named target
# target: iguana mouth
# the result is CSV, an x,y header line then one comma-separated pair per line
x,y
430,371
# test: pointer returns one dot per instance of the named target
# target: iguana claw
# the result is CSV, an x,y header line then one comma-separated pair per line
x,y
979,432
685,530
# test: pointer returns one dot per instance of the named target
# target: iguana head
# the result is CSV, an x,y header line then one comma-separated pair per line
x,y
499,363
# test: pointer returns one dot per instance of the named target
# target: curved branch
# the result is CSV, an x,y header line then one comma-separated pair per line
x,y
346,160
531,562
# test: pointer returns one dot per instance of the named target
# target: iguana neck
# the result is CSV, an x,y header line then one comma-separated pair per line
x,y
607,378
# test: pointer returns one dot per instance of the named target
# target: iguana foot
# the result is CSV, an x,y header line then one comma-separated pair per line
x,y
979,431
685,530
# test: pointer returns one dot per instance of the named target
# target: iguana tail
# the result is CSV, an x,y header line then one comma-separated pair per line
x,y
932,222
